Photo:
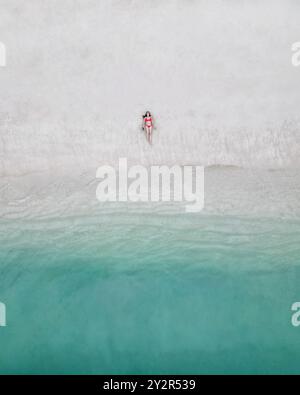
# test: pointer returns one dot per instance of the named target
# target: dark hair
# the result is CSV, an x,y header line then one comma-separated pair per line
x,y
147,112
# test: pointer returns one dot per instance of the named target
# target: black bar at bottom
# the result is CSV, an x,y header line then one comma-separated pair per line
x,y
119,384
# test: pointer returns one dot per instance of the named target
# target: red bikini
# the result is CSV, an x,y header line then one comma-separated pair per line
x,y
148,121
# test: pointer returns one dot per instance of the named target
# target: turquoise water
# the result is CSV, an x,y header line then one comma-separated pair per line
x,y
149,293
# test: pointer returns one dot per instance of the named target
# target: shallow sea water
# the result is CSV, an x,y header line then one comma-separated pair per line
x,y
149,292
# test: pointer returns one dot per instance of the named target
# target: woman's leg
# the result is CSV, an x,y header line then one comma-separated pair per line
x,y
150,135
146,131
